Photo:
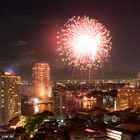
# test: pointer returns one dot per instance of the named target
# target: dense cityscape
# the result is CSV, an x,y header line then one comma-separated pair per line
x,y
68,109
71,71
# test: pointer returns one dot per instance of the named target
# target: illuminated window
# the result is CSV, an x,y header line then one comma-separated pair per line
x,y
2,101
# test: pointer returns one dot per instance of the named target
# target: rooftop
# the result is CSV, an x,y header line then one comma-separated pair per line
x,y
131,128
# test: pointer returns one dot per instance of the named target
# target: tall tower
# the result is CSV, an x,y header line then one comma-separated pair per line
x,y
41,74
42,88
41,80
60,105
10,97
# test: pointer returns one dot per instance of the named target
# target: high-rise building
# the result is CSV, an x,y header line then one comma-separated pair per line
x,y
42,88
41,74
41,79
128,98
10,97
60,105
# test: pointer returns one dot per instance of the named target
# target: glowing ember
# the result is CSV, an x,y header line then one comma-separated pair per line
x,y
84,42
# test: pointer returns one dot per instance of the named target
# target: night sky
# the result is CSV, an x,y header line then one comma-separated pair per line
x,y
28,34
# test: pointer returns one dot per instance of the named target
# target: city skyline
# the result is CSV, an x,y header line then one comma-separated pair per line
x,y
28,34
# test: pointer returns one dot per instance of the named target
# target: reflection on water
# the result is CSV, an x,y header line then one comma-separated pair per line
x,y
43,99
36,109
89,103
40,107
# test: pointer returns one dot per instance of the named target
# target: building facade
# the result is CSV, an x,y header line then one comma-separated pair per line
x,y
128,98
10,97
60,105
124,131
42,87
41,74
41,80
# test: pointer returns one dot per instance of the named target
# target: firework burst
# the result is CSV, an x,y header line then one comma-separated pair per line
x,y
84,43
